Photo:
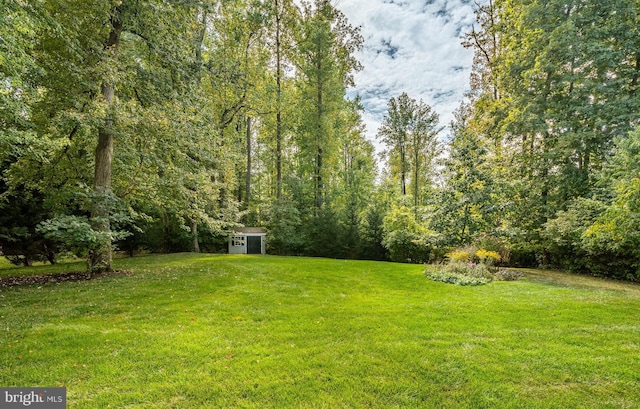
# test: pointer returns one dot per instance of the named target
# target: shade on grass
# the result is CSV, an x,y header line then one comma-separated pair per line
x,y
193,331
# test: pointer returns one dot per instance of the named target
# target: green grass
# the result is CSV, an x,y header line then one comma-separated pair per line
x,y
202,331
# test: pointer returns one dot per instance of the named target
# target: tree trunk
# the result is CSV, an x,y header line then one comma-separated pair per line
x,y
416,178
247,193
194,234
403,172
100,257
278,105
319,185
319,140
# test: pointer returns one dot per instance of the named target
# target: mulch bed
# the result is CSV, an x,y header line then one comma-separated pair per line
x,y
58,278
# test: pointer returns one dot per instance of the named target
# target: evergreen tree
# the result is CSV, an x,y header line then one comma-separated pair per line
x,y
467,202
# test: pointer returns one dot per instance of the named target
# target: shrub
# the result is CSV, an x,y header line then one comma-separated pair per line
x,y
472,254
406,239
460,273
458,279
487,257
496,244
285,229
468,269
464,254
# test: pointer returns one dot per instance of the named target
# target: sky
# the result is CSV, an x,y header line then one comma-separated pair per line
x,y
411,46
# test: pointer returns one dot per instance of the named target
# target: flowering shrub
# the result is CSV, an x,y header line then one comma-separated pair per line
x,y
462,254
488,257
472,254
469,273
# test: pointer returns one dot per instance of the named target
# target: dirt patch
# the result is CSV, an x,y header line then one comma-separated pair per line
x,y
58,278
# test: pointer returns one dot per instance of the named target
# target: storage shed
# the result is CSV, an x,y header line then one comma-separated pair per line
x,y
248,240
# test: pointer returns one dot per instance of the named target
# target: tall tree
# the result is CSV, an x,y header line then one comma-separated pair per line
x,y
100,255
326,44
394,133
553,85
409,130
96,82
485,42
284,17
616,232
424,148
467,201
356,180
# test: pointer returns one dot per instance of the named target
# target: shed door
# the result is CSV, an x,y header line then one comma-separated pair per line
x,y
254,244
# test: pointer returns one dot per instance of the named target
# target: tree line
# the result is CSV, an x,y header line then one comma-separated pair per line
x,y
161,125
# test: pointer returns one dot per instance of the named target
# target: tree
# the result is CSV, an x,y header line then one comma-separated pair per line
x,y
126,19
554,84
325,62
486,45
616,231
22,205
284,18
405,238
409,129
467,201
136,80
394,132
424,148
355,181
158,119
285,233
19,24
100,256
372,234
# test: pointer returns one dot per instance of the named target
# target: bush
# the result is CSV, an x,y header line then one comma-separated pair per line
x,y
20,241
471,254
487,257
461,273
463,255
468,269
458,279
495,244
406,240
525,254
284,225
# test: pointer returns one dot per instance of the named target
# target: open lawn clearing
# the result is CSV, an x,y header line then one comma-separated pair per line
x,y
194,331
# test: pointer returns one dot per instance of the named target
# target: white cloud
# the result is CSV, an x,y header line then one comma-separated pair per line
x,y
411,46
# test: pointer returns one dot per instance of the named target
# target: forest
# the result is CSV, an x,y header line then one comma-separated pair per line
x,y
160,125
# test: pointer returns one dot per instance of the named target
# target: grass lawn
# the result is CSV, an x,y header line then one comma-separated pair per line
x,y
204,331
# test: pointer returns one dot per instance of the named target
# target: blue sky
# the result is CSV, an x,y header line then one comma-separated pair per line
x,y
411,46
